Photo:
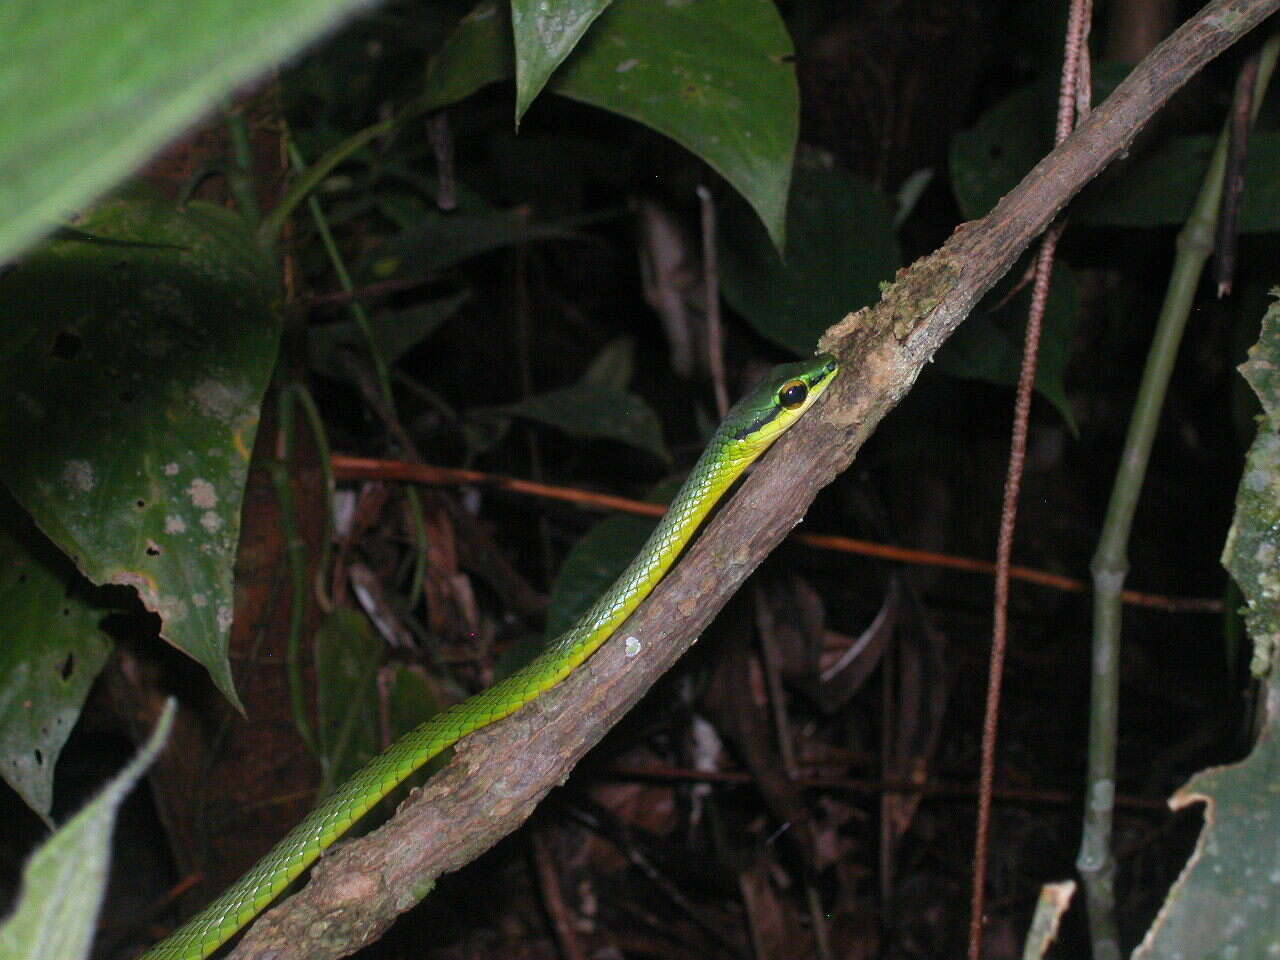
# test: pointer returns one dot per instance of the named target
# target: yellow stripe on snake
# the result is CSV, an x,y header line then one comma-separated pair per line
x,y
747,431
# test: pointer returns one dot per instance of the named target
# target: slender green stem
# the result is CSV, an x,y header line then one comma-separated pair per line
x,y
311,177
295,545
296,559
1096,861
240,173
380,368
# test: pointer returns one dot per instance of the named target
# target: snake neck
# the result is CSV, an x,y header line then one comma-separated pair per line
x,y
721,463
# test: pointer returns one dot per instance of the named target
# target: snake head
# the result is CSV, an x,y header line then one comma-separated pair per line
x,y
781,398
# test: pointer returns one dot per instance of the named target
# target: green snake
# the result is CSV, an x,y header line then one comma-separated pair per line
x,y
747,431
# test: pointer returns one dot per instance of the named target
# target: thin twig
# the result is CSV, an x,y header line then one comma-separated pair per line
x,y
549,884
363,468
1076,49
711,281
1226,240
867,786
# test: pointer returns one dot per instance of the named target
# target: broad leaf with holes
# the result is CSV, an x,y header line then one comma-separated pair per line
x,y
51,649
131,388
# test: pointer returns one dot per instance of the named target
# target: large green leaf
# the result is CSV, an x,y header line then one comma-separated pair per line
x,y
347,655
51,649
63,883
131,388
1152,190
715,76
1160,188
990,158
545,32
588,410
354,693
1227,901
591,567
988,346
90,88
842,248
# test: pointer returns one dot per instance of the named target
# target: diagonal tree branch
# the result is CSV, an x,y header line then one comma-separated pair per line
x,y
499,774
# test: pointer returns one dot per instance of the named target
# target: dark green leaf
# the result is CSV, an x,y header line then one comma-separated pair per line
x,y
591,567
1160,188
132,381
51,649
597,560
715,76
587,410
989,159
395,334
613,365
545,32
442,240
347,653
842,248
982,348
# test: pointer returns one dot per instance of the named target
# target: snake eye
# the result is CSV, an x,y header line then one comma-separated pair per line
x,y
792,394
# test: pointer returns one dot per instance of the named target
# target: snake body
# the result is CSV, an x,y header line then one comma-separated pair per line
x,y
747,431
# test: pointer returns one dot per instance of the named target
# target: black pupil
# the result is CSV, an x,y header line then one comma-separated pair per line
x,y
792,395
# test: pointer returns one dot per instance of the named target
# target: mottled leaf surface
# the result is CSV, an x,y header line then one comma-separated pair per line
x,y
132,383
1252,551
51,649
63,883
1226,903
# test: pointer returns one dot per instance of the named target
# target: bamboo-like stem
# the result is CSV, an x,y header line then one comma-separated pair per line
x,y
1096,861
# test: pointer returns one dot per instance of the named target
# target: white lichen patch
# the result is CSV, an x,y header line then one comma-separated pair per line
x,y
174,524
224,617
211,522
632,647
202,494
199,600
79,475
218,399
170,469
